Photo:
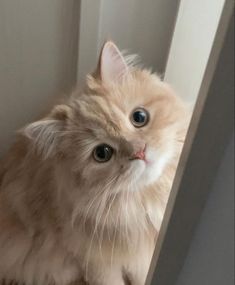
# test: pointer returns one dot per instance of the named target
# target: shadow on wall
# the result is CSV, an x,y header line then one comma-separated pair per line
x,y
38,59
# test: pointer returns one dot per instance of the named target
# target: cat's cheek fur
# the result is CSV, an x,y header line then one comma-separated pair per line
x,y
137,169
157,161
145,173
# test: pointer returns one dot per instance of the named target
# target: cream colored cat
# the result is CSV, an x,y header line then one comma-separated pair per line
x,y
83,191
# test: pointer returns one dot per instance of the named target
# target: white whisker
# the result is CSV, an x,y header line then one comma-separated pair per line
x,y
97,221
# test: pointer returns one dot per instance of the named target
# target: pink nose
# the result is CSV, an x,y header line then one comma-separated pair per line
x,y
139,155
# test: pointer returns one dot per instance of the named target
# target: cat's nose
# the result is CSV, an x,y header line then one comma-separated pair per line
x,y
139,155
139,148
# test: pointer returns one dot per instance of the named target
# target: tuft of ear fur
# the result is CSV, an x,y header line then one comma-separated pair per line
x,y
46,134
112,65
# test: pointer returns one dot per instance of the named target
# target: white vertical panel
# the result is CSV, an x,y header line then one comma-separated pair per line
x,y
194,34
88,37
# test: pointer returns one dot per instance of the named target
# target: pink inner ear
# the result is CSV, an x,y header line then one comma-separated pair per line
x,y
113,65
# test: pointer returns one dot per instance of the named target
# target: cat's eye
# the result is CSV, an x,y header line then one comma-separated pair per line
x,y
103,153
140,117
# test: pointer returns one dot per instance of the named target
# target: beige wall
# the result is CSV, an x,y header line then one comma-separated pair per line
x,y
38,50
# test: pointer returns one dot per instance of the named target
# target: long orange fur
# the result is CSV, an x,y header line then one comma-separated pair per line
x,y
66,219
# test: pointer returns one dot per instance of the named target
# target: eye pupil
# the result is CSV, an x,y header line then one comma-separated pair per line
x,y
103,153
140,117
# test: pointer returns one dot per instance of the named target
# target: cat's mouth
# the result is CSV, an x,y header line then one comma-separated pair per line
x,y
143,159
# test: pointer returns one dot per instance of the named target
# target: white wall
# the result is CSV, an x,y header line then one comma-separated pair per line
x,y
195,30
142,27
38,50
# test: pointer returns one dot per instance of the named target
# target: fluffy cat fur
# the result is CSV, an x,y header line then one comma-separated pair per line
x,y
66,219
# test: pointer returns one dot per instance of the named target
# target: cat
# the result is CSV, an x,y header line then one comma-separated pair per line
x,y
83,191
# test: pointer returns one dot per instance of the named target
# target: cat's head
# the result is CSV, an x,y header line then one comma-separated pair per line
x,y
120,133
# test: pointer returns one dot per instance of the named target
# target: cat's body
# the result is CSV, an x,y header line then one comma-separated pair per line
x,y
65,217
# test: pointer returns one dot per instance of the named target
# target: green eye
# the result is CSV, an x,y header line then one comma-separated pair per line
x,y
103,153
140,117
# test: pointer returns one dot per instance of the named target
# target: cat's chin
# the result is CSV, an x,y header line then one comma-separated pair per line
x,y
148,171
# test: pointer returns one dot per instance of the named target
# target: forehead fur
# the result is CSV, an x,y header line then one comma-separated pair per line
x,y
110,105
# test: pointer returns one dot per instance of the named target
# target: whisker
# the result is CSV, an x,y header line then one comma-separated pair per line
x,y
115,233
106,216
95,229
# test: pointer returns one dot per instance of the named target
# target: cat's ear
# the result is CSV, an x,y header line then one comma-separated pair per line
x,y
45,135
112,66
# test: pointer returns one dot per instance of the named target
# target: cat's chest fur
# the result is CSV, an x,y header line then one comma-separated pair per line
x,y
125,247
